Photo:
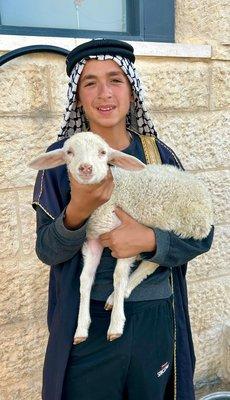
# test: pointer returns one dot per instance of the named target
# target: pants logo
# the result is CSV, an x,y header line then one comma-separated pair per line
x,y
162,370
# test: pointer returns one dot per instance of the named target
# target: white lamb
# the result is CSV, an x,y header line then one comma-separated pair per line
x,y
159,196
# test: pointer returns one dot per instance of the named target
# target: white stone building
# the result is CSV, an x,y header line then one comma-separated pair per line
x,y
187,87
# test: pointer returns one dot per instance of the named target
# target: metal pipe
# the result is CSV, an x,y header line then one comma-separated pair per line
x,y
38,48
217,396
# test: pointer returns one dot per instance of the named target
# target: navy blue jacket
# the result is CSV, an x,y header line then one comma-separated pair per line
x,y
60,248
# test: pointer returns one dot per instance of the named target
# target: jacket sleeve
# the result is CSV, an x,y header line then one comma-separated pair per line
x,y
172,251
55,243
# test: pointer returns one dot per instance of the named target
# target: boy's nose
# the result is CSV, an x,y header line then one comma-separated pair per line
x,y
104,91
85,169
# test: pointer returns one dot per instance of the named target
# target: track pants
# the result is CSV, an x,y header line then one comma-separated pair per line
x,y
135,366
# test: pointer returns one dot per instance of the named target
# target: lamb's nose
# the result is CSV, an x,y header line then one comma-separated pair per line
x,y
85,169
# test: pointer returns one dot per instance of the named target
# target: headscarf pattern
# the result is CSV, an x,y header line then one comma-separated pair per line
x,y
74,117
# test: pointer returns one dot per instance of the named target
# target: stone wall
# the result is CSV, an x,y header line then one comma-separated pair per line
x,y
188,100
205,136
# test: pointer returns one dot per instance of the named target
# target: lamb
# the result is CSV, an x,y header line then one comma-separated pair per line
x,y
159,196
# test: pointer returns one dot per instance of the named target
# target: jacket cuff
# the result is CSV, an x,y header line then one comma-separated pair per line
x,y
75,235
162,248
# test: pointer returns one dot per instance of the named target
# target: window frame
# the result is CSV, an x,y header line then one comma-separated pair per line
x,y
139,26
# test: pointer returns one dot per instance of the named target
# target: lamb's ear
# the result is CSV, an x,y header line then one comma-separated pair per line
x,y
125,161
49,160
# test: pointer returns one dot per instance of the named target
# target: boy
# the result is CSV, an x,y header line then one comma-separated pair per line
x,y
154,357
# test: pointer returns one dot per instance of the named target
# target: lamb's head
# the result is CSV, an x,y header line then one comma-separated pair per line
x,y
88,158
86,155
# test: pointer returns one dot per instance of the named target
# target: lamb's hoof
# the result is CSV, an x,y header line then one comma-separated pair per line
x,y
108,306
109,302
79,339
113,336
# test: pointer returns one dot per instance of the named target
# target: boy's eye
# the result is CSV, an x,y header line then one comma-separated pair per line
x,y
89,84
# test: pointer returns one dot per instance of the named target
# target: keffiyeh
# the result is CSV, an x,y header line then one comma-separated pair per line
x,y
74,118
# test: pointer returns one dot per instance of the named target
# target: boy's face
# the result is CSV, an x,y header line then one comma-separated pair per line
x,y
105,94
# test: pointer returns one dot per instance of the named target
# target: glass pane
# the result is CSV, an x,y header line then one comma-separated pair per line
x,y
103,15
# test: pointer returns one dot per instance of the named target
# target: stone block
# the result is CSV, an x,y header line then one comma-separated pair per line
x,y
214,263
218,183
21,140
9,225
221,51
58,81
171,85
220,85
200,140
24,290
51,68
224,373
22,351
208,354
28,389
43,59
24,89
10,291
27,218
209,303
203,22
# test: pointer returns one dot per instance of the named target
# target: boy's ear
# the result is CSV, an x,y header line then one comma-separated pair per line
x,y
49,160
125,161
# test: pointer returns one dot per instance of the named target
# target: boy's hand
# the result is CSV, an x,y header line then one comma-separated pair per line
x,y
85,199
130,238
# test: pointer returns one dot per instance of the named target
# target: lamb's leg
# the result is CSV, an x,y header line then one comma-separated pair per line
x,y
145,269
92,251
121,276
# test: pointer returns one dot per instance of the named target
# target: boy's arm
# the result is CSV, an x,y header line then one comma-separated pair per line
x,y
172,251
55,243
60,239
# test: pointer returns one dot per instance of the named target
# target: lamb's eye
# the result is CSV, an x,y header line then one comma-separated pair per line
x,y
70,152
102,152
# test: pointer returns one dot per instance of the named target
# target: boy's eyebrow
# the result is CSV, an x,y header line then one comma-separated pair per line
x,y
111,73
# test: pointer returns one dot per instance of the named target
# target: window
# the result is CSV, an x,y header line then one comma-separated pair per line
x,y
125,19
